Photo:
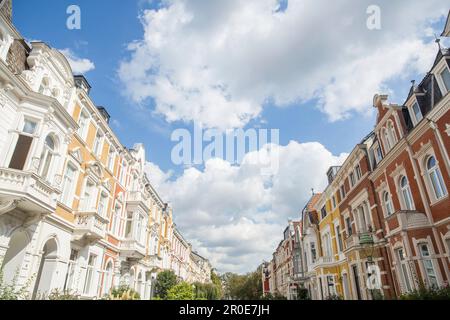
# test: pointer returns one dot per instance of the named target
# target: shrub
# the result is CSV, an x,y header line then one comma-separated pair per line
x,y
424,293
165,281
123,293
182,291
12,291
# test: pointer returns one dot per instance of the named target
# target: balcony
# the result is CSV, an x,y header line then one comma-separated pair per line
x,y
136,198
27,192
407,220
132,249
90,226
360,239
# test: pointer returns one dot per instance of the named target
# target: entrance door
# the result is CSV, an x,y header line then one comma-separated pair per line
x,y
356,278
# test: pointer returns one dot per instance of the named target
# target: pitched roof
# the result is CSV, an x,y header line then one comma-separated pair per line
x,y
446,32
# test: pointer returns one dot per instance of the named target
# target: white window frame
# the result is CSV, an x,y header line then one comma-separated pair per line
x,y
70,192
438,74
412,113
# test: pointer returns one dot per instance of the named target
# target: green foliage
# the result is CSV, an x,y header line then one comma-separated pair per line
x,y
181,291
217,282
424,293
275,296
165,281
62,295
303,294
123,293
334,297
243,287
12,291
207,291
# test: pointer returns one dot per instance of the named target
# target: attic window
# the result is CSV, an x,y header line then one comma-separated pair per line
x,y
445,78
416,112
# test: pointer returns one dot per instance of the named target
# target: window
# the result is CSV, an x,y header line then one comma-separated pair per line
x,y
417,113
313,252
331,287
358,172
46,158
435,176
406,194
339,238
129,225
70,275
83,124
108,278
103,205
23,145
89,274
334,202
428,266
348,222
68,184
342,189
378,154
140,229
391,134
323,212
403,269
86,201
116,220
98,144
327,252
352,179
122,174
445,76
387,140
111,158
388,207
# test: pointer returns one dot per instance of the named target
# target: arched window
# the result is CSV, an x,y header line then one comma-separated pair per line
x,y
388,204
435,176
108,278
391,133
46,158
387,140
406,193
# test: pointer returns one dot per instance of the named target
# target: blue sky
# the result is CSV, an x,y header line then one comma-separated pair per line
x,y
308,68
107,27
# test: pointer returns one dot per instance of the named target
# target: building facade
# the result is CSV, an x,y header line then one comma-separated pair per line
x,y
77,211
381,228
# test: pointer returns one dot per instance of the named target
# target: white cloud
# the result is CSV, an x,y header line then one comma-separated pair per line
x,y
218,62
79,65
234,215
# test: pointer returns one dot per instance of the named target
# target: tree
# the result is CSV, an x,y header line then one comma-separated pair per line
x,y
165,281
243,287
181,291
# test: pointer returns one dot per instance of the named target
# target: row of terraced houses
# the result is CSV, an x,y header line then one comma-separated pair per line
x,y
77,211
381,228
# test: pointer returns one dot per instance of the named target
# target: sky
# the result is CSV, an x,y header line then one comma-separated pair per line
x,y
309,68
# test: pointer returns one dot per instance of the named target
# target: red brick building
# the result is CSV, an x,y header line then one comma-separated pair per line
x,y
411,176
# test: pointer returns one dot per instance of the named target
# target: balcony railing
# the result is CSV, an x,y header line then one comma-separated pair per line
x,y
360,239
138,197
90,226
133,249
35,194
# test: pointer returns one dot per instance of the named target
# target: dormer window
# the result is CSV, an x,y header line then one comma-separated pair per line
x,y
445,78
416,113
